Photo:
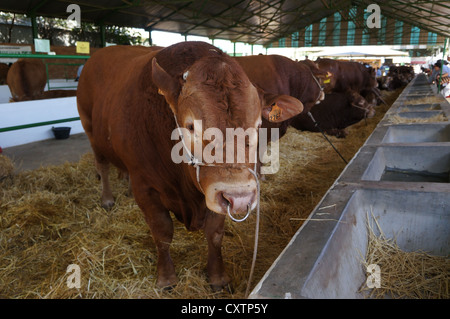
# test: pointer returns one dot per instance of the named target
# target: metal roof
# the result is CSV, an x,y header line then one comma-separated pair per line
x,y
251,21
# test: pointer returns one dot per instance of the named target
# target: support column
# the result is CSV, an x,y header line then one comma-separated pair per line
x,y
103,35
34,29
150,40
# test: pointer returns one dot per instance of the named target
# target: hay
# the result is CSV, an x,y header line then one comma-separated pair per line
x,y
6,167
51,218
426,100
397,119
409,275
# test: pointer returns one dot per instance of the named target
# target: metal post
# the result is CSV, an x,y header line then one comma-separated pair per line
x,y
234,48
252,49
102,35
34,26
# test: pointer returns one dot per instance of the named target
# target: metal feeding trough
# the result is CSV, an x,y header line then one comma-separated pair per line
x,y
400,177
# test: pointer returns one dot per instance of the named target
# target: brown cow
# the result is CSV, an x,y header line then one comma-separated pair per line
x,y
280,75
3,73
130,125
26,79
335,113
348,75
53,94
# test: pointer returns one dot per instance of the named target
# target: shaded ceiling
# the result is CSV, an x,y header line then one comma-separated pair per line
x,y
251,21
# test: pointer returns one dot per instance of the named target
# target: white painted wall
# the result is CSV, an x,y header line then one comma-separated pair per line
x,y
21,113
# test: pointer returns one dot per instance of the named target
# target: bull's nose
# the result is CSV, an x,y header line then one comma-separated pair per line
x,y
238,202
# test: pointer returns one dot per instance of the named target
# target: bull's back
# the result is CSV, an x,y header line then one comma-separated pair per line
x,y
26,79
109,83
107,73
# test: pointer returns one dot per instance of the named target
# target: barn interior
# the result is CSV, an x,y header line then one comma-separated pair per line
x,y
315,211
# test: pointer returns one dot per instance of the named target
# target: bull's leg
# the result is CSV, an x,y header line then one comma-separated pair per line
x,y
103,171
161,227
214,231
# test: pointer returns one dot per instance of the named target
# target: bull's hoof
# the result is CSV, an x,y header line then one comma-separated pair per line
x,y
167,283
108,204
228,288
221,283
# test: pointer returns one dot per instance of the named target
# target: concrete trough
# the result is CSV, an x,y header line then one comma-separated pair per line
x,y
323,260
408,133
409,163
420,107
419,114
400,177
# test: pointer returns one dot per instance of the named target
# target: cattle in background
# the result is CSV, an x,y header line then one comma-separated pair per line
x,y
399,76
335,113
348,75
26,79
130,123
280,75
53,94
3,73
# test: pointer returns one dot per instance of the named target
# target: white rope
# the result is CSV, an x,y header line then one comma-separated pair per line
x,y
193,161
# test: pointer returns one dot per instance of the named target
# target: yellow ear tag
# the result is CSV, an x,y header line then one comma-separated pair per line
x,y
326,81
275,113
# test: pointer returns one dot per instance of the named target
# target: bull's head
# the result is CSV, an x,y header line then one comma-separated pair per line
x,y
363,108
215,95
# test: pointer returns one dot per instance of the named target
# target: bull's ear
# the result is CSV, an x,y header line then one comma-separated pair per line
x,y
167,85
278,108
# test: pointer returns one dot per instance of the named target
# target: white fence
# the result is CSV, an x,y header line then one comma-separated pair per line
x,y
31,121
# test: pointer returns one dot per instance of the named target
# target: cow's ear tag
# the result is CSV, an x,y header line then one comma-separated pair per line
x,y
326,81
275,113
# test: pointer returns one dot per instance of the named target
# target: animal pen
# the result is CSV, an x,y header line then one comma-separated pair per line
x,y
51,219
375,228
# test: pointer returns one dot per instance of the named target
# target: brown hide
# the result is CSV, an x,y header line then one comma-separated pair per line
x,y
26,79
53,94
127,98
280,75
348,75
3,73
334,114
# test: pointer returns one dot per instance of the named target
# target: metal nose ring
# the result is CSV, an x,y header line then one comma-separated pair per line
x,y
249,210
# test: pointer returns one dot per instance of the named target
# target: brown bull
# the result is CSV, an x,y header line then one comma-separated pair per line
x,y
280,75
349,75
130,100
335,113
4,68
26,79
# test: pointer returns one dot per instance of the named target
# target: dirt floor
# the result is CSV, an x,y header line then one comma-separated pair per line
x,y
49,152
50,218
